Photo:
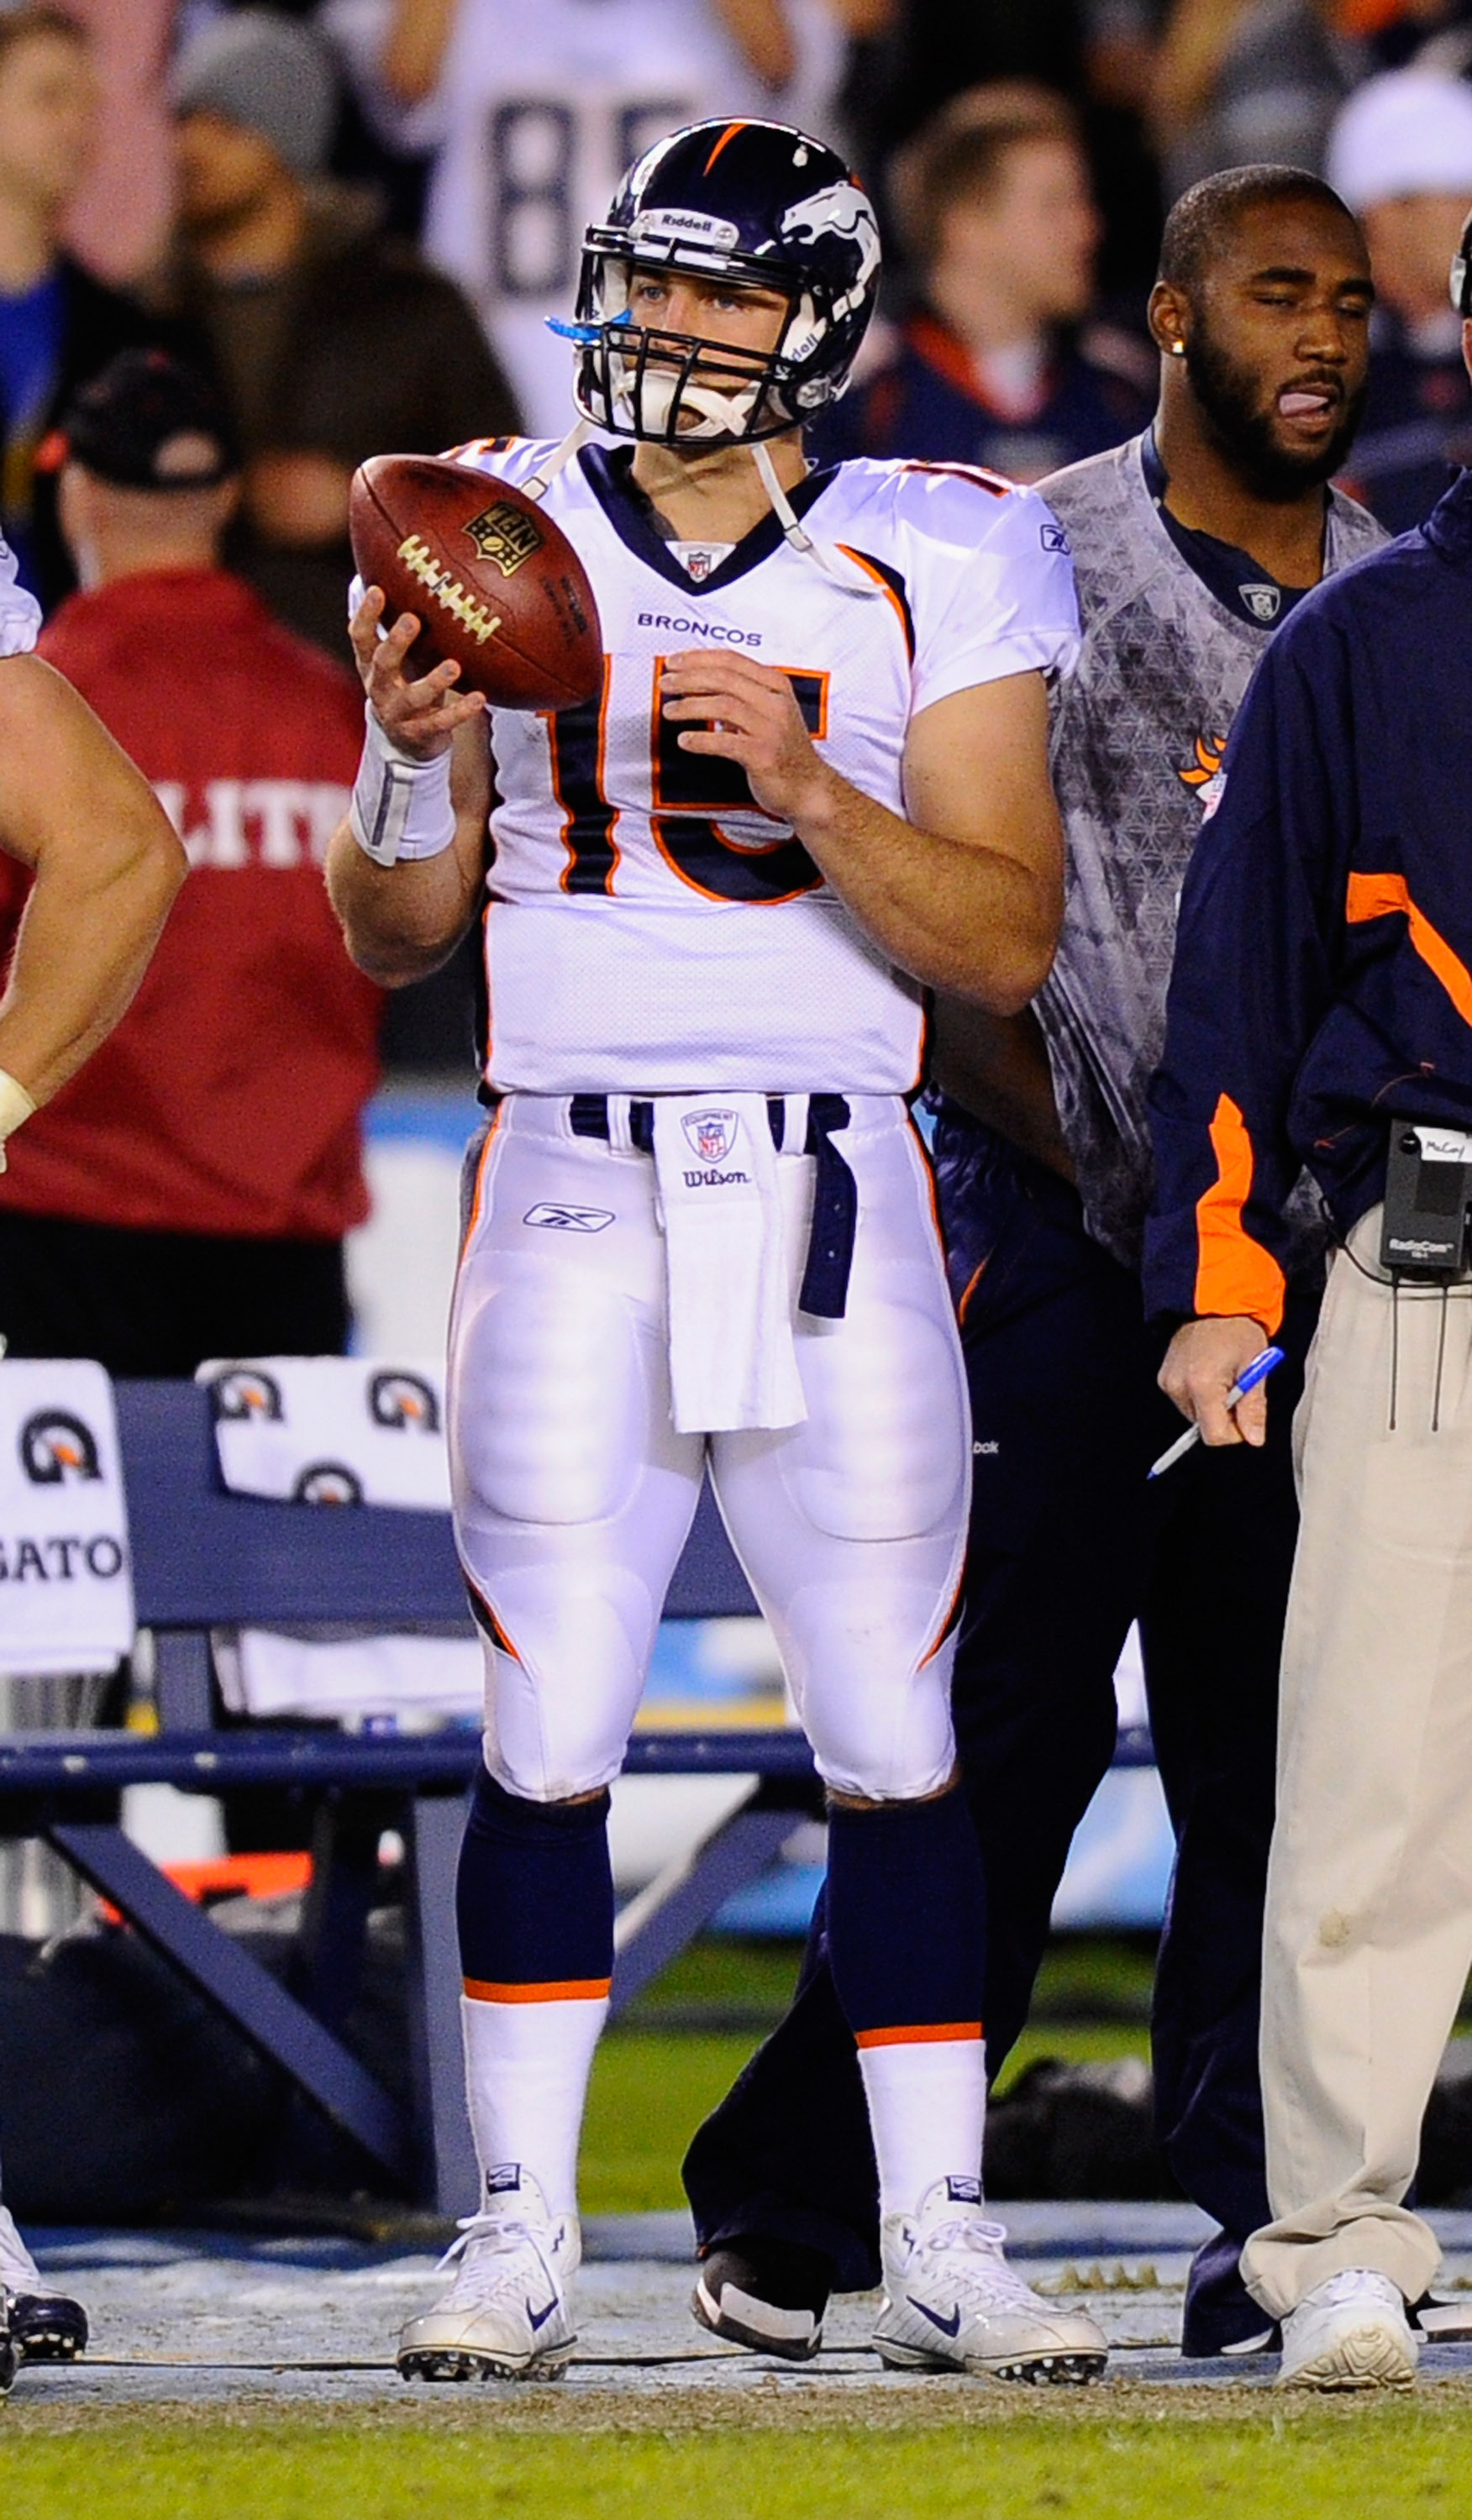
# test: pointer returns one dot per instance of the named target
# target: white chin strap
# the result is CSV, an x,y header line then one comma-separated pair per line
x,y
537,484
837,565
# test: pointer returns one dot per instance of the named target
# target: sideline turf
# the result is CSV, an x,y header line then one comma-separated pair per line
x,y
1139,2462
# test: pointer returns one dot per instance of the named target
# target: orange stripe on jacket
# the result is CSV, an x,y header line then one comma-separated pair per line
x,y
1376,897
1233,1272
568,1990
917,2033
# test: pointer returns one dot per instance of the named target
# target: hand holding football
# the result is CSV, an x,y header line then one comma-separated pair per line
x,y
496,585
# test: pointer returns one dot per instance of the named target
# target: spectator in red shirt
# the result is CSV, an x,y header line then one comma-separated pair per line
x,y
187,1195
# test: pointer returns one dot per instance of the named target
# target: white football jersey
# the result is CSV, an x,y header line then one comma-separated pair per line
x,y
540,108
648,929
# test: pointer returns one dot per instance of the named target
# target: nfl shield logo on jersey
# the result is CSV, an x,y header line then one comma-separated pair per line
x,y
1262,602
711,1134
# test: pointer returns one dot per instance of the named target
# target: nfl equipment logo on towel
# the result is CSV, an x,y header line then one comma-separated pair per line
x,y
711,1134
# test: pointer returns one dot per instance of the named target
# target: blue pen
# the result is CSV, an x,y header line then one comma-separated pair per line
x,y
1247,1380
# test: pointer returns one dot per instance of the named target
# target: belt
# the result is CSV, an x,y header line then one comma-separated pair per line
x,y
824,1292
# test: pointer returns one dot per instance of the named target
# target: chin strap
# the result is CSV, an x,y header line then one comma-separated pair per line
x,y
538,483
836,564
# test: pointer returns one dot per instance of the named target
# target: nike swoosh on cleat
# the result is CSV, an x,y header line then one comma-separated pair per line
x,y
539,2318
950,2326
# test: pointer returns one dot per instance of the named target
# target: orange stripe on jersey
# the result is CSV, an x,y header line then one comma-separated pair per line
x,y
1233,1272
724,142
871,568
1376,897
917,2033
564,1990
480,446
995,483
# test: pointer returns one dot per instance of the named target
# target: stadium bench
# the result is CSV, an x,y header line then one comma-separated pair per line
x,y
204,1558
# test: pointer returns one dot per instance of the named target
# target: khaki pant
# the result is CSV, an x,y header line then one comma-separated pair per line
x,y
1368,1933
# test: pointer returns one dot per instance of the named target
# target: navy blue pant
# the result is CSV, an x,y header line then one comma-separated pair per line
x,y
1068,1544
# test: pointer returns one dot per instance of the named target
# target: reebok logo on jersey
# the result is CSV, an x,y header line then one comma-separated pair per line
x,y
1054,539
568,1220
720,631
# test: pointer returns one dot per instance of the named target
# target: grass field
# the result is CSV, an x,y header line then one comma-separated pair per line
x,y
993,2455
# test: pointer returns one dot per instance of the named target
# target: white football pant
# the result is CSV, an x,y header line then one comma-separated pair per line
x,y
573,1494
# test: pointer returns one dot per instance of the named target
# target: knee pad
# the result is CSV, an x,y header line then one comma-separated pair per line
x,y
878,1716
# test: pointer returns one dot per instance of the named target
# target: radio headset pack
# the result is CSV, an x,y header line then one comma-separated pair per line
x,y
1428,1196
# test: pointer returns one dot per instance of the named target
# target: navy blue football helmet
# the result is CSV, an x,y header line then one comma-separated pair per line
x,y
757,203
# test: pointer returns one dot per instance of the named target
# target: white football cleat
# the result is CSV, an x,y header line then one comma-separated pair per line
x,y
1350,2332
44,2325
506,2317
951,2303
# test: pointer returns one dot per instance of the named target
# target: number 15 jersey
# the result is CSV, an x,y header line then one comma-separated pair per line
x,y
649,929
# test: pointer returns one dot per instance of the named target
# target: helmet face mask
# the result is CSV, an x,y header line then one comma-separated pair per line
x,y
745,206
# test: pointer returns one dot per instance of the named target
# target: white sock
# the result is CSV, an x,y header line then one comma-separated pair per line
x,y
927,2110
526,2068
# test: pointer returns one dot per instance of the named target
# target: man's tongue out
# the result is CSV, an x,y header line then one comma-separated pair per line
x,y
1302,405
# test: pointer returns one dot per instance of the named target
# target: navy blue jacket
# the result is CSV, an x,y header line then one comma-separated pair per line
x,y
1322,977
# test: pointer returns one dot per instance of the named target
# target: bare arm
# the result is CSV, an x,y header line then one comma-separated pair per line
x,y
400,922
967,893
414,48
107,868
997,1067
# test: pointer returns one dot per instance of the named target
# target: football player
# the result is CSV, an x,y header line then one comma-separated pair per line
x,y
700,1224
107,867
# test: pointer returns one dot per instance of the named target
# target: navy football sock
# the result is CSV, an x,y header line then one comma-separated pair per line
x,y
534,1896
906,1924
535,1906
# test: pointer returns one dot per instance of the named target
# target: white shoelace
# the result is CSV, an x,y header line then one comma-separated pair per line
x,y
993,2282
495,2238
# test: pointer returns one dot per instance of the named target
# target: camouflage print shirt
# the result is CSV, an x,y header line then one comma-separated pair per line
x,y
1139,727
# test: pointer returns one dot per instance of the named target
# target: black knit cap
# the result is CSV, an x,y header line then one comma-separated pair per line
x,y
150,422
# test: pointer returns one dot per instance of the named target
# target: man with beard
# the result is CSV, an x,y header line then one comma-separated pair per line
x,y
1190,543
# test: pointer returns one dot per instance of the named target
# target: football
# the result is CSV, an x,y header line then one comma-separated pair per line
x,y
495,583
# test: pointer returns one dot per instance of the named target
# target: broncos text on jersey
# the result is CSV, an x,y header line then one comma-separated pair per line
x,y
648,929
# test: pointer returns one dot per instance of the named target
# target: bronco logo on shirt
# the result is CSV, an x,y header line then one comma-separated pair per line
x,y
1205,773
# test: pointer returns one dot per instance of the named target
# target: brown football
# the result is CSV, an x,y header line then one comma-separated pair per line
x,y
494,582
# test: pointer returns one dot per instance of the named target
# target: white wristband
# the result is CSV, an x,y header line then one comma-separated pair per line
x,y
400,806
16,1105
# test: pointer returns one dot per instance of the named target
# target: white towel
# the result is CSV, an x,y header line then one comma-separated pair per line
x,y
730,1250
417,1680
66,1590
332,1429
